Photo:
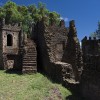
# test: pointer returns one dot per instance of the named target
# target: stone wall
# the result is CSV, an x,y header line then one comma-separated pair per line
x,y
51,48
11,38
1,56
15,62
90,83
15,42
72,53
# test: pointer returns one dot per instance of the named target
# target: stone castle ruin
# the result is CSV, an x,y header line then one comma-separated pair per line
x,y
14,53
47,49
90,83
55,50
54,53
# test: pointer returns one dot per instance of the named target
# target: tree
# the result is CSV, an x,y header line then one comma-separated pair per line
x,y
54,17
2,13
14,13
97,33
11,12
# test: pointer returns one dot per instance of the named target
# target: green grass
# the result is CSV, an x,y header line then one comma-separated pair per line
x,y
28,87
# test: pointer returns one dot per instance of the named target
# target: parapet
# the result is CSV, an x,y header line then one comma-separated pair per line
x,y
11,26
89,39
62,23
72,23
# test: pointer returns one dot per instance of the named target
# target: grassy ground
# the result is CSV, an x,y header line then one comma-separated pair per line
x,y
29,87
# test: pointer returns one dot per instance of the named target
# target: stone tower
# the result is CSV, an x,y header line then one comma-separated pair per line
x,y
11,41
72,54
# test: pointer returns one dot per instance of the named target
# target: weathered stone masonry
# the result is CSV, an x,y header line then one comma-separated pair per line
x,y
10,36
52,43
16,51
55,50
90,83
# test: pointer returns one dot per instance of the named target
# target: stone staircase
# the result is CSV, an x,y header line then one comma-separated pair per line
x,y
30,58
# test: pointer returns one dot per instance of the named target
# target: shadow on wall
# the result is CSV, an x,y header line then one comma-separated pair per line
x,y
13,71
76,95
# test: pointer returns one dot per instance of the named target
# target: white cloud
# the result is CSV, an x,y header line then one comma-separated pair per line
x,y
61,18
64,18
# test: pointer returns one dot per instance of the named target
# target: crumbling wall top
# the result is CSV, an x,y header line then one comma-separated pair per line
x,y
11,27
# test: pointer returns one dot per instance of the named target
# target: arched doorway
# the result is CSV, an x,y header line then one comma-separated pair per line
x,y
9,40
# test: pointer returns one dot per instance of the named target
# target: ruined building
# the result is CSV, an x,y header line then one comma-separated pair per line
x,y
14,52
49,49
55,50
55,43
90,83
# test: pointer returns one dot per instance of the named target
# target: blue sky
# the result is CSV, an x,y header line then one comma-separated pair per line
x,y
86,13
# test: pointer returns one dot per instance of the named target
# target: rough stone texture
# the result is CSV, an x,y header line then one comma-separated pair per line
x,y
51,48
63,72
11,38
30,58
72,53
12,48
10,44
90,83
50,42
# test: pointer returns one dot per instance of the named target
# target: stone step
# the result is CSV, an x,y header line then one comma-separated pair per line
x,y
31,52
25,61
27,68
29,71
31,49
29,57
29,64
28,60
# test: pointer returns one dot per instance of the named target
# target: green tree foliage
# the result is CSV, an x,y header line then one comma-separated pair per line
x,y
93,35
96,33
11,12
2,13
27,14
54,17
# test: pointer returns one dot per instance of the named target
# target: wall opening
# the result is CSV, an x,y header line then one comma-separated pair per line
x,y
9,40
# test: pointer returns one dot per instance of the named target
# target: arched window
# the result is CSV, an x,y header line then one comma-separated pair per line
x,y
9,40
